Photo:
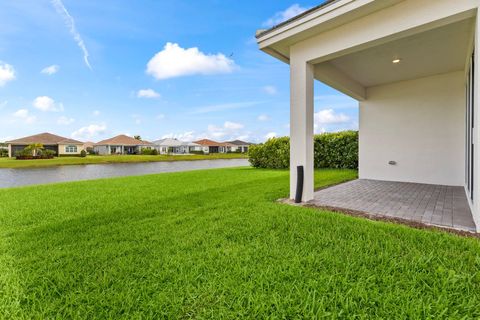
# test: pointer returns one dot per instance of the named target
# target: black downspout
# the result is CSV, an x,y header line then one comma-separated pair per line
x,y
298,194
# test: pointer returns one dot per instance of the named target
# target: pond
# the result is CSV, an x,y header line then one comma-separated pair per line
x,y
30,176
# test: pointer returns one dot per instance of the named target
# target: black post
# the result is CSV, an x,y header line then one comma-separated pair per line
x,y
298,194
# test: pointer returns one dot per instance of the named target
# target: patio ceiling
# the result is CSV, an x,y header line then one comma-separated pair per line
x,y
441,50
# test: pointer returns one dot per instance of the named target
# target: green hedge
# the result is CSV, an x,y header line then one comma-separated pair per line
x,y
331,150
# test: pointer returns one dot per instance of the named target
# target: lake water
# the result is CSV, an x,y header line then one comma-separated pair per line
x,y
29,176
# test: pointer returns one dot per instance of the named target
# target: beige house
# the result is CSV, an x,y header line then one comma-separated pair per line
x,y
411,66
61,145
121,144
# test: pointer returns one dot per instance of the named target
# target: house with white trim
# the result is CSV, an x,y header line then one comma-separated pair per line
x,y
175,146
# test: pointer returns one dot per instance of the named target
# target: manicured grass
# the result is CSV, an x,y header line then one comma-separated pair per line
x,y
61,161
215,244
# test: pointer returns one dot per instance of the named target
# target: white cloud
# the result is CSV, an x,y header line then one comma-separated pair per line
x,y
65,120
70,23
175,61
89,132
7,73
50,69
45,103
281,16
148,93
263,117
160,116
96,113
232,125
25,115
328,117
271,90
225,106
270,135
185,136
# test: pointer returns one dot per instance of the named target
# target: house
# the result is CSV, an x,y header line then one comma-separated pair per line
x,y
175,146
210,146
121,144
60,145
411,65
88,146
239,146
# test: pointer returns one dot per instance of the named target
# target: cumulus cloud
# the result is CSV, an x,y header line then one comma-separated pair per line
x,y
271,90
50,69
270,135
281,16
328,117
89,132
227,131
7,73
65,120
232,125
96,113
24,115
263,117
148,93
70,23
45,103
175,61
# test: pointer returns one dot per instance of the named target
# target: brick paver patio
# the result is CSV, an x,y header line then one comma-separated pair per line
x,y
437,205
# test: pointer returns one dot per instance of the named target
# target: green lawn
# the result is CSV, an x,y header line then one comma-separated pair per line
x,y
61,161
216,244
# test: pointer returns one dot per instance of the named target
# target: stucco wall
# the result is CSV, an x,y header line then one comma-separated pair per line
x,y
420,125
61,149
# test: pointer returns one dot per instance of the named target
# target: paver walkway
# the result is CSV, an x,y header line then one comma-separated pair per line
x,y
438,205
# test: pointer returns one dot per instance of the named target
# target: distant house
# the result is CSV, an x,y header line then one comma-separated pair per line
x,y
210,146
60,145
239,145
121,144
175,146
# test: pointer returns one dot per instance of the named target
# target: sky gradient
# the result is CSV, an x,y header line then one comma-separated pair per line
x,y
173,68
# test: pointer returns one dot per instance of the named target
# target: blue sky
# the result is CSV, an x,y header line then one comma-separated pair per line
x,y
188,69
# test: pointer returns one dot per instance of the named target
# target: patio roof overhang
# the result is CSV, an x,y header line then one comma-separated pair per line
x,y
352,43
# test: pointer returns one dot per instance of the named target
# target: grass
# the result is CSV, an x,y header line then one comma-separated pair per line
x,y
215,244
62,161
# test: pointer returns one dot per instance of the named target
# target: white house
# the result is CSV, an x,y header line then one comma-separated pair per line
x,y
175,146
411,66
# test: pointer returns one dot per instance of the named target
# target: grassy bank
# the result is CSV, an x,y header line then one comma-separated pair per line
x,y
215,244
62,161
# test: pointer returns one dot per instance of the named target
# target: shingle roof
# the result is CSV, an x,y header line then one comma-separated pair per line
x,y
307,12
210,143
44,138
123,140
239,143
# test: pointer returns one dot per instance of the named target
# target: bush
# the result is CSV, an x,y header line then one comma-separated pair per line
x,y
197,152
331,150
83,153
3,153
149,152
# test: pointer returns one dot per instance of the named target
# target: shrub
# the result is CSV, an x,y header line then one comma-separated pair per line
x,y
3,153
154,152
149,152
331,150
83,153
196,152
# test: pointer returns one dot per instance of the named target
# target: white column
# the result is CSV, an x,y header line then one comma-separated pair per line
x,y
301,125
10,150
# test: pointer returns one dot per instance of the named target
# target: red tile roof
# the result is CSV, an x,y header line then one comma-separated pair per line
x,y
123,140
44,138
210,143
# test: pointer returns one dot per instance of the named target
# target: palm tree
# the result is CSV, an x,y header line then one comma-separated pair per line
x,y
35,148
137,137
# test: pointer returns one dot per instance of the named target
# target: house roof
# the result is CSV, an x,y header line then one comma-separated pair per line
x,y
210,143
123,140
240,143
44,138
168,142
261,33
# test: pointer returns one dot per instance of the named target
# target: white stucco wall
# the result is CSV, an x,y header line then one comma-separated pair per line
x,y
420,125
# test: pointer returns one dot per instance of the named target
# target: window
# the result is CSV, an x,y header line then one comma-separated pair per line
x,y
71,149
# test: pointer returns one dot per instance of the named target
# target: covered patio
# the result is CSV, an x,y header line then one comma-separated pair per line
x,y
432,205
411,66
